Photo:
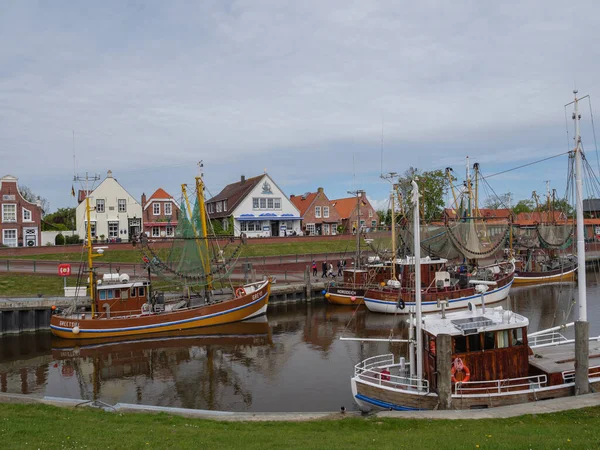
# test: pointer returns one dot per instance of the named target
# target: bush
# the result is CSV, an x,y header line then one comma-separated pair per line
x,y
59,239
72,239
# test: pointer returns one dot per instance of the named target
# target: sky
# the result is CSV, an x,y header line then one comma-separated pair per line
x,y
317,93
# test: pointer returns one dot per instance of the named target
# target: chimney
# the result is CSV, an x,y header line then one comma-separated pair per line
x,y
143,199
109,174
292,195
243,179
320,190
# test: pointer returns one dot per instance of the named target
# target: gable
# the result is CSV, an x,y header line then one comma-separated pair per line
x,y
266,188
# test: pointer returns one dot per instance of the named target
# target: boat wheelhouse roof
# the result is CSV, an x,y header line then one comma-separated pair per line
x,y
410,261
471,322
130,284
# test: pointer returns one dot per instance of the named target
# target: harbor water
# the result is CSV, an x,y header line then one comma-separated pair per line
x,y
290,361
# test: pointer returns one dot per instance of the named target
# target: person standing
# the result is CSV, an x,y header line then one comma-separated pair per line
x,y
314,268
324,268
330,271
339,266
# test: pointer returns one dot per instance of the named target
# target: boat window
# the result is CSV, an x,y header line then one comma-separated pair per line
x,y
109,294
503,339
431,345
117,293
125,294
134,292
460,344
102,295
488,340
141,291
474,343
517,336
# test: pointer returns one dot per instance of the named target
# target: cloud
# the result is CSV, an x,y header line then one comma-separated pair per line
x,y
298,88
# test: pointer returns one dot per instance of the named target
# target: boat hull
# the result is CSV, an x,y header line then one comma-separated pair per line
x,y
381,301
345,296
228,311
370,396
526,278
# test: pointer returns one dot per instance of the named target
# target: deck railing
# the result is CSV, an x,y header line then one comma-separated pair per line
x,y
370,370
569,375
501,386
547,339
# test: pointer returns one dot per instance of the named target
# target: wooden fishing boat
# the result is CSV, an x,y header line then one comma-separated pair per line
x,y
553,271
124,308
355,284
494,363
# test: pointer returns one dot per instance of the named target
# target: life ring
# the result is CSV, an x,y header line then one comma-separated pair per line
x,y
240,291
372,272
145,308
401,304
458,366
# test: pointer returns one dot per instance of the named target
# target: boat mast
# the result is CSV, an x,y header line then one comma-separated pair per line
x,y
359,193
393,201
204,225
417,245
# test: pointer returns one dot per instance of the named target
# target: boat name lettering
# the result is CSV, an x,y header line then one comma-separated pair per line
x,y
256,296
66,323
342,291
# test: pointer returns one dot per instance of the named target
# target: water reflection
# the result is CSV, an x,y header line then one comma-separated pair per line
x,y
292,362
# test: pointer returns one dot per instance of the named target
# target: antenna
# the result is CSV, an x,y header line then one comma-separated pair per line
x,y
74,164
381,169
353,174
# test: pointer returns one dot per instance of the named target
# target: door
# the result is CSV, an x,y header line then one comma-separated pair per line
x,y
274,228
326,229
135,227
30,237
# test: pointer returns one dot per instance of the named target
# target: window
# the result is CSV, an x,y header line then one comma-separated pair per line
x,y
270,203
460,344
373,223
109,294
502,339
100,205
9,213
141,291
251,225
92,228
517,336
9,238
310,229
255,203
219,207
474,343
225,224
243,226
156,208
170,231
168,209
224,205
124,294
102,294
489,340
133,292
117,293
317,212
211,208
263,203
370,213
113,229
122,205
276,203
326,212
155,232
26,215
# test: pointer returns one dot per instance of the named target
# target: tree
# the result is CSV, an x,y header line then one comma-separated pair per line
x,y
501,201
524,206
432,187
61,219
31,197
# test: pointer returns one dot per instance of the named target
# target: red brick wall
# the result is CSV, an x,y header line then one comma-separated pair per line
x,y
9,188
321,200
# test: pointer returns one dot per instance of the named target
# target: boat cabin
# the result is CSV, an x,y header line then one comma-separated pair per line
x,y
116,296
432,273
485,346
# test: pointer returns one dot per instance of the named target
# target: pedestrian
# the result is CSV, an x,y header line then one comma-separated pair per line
x,y
324,268
339,266
314,268
330,271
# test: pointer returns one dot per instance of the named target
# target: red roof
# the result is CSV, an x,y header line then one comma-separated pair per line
x,y
233,193
346,206
502,213
302,202
532,218
160,193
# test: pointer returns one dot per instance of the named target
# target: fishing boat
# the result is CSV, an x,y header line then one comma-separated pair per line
x,y
545,269
121,307
483,357
469,236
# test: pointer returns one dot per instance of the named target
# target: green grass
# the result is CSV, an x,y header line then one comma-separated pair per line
x,y
21,285
42,426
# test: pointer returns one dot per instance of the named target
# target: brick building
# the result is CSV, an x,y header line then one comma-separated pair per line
x,y
21,219
318,216
348,209
160,214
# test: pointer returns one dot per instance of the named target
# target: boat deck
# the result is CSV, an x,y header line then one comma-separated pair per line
x,y
561,358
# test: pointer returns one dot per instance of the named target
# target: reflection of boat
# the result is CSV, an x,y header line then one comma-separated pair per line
x,y
483,358
252,332
123,308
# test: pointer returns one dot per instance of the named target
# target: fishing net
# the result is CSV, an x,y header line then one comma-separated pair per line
x,y
477,239
555,236
435,242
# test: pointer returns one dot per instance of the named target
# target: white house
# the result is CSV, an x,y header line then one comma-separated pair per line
x,y
255,206
115,214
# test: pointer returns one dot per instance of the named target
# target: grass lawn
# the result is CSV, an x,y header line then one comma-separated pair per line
x,y
44,427
21,285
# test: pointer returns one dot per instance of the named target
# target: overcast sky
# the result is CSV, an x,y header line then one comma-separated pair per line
x,y
300,89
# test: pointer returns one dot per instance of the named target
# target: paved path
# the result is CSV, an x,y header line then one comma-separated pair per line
x,y
543,407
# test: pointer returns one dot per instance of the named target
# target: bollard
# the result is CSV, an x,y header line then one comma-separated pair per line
x,y
34,266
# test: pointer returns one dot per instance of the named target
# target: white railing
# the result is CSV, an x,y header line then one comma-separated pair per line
x,y
508,385
371,370
547,339
569,375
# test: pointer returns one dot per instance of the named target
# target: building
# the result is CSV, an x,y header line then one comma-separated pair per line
x,y
115,215
348,210
318,217
254,206
160,214
21,219
591,207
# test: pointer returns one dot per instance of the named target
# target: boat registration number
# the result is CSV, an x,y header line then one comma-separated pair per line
x,y
256,296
